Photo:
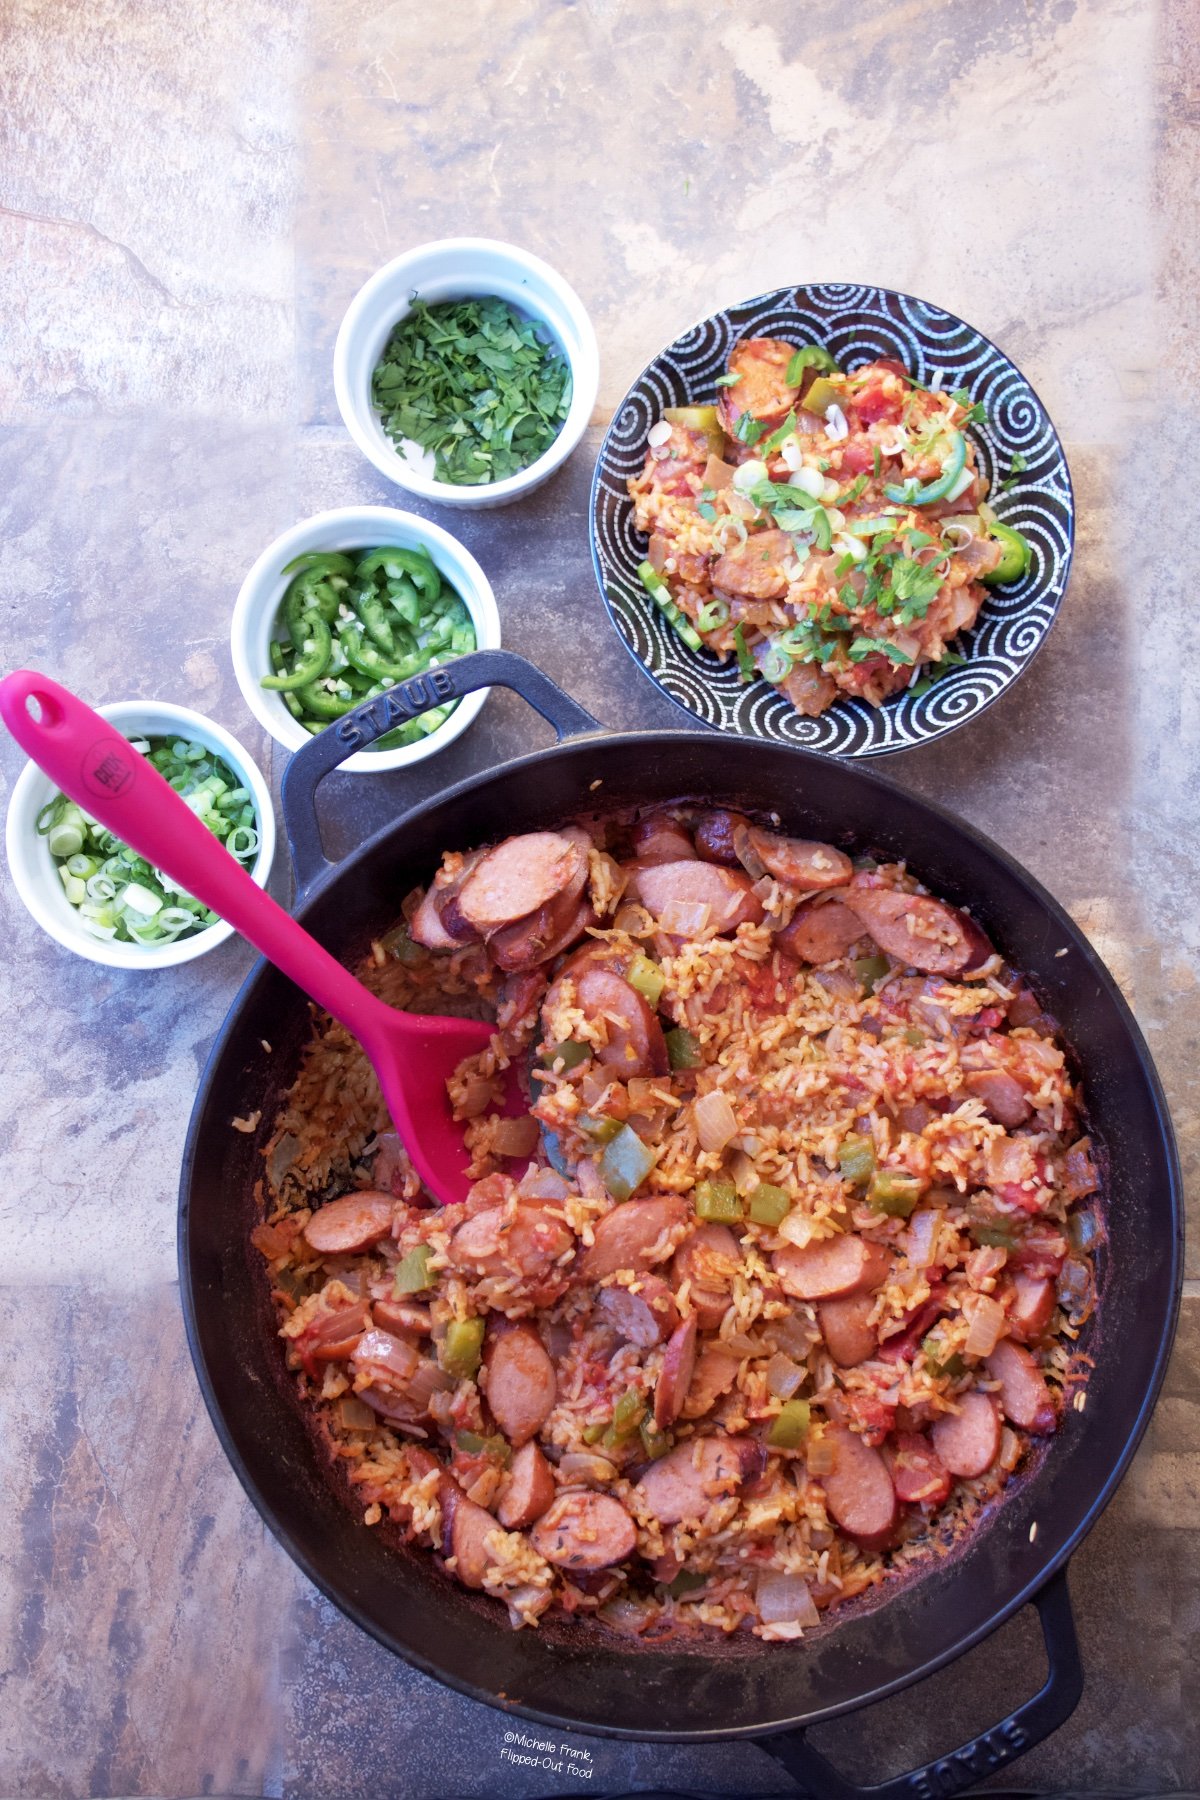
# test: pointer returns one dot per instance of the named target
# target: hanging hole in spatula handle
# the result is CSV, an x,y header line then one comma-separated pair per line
x,y
360,728
1049,1708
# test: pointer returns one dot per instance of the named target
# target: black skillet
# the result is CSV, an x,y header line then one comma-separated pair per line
x,y
575,1676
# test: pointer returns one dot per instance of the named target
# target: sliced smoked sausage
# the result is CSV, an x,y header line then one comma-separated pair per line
x,y
859,1491
585,1531
714,835
1002,1095
709,1260
644,1318
521,1387
924,933
715,1373
529,1490
847,1330
465,1527
1024,1395
799,862
968,1441
755,569
919,1475
542,936
675,1376
634,1236
829,1268
354,1222
517,877
659,838
761,388
687,1481
636,1046
1033,1303
821,934
720,899
527,1244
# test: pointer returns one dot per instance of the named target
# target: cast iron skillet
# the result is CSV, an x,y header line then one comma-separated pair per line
x,y
573,1676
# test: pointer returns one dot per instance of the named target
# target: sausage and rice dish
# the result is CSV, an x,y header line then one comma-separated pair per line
x,y
774,1284
830,530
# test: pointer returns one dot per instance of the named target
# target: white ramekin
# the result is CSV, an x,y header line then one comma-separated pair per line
x,y
353,528
35,872
459,269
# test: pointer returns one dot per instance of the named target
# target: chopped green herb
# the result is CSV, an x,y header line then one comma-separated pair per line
x,y
727,380
707,510
779,436
748,429
862,647
474,383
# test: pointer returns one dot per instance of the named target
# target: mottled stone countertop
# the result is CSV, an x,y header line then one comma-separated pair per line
x,y
190,196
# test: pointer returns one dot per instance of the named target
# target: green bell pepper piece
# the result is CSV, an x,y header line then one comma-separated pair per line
x,y
412,1272
626,1163
768,1204
683,1049
856,1160
790,1428
462,1348
717,1199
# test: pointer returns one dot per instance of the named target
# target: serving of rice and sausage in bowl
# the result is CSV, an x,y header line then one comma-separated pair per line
x,y
805,1307
835,516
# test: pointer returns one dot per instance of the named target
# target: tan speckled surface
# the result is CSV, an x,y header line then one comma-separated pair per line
x,y
188,199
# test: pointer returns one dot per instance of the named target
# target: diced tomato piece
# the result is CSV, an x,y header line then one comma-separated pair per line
x,y
873,404
874,1416
857,459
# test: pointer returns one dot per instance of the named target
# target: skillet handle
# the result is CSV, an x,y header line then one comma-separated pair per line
x,y
482,668
1051,1707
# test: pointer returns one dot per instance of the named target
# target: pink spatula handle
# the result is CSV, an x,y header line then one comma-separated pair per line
x,y
97,768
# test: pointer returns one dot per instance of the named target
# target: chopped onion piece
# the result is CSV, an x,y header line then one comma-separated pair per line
x,y
716,1121
784,1376
830,489
428,1381
796,1333
792,453
626,1615
809,481
718,474
988,1322
659,434
845,545
781,1597
796,1228
746,854
836,426
920,1237
685,918
748,475
587,1467
515,1137
820,1455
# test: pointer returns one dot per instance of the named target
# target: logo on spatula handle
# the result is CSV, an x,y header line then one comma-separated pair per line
x,y
109,768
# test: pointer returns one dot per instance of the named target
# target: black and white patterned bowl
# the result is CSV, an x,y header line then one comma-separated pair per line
x,y
856,324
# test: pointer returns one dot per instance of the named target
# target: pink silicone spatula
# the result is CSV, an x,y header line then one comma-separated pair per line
x,y
412,1053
